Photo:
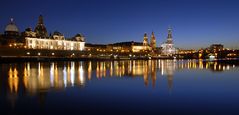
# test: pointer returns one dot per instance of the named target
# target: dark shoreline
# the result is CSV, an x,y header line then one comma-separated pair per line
x,y
46,59
11,59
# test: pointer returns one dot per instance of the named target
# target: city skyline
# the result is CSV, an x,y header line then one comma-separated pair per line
x,y
196,24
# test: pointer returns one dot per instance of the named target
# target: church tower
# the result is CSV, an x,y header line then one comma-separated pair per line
x,y
169,37
40,29
153,41
145,42
168,47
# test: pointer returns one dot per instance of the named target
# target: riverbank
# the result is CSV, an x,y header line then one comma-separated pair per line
x,y
6,59
9,59
21,55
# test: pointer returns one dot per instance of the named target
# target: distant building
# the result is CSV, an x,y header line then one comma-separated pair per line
x,y
168,46
130,46
56,42
139,47
11,34
216,47
40,29
145,41
120,46
95,47
28,33
39,38
153,41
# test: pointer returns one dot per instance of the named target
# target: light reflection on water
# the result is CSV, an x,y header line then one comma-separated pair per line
x,y
35,77
59,75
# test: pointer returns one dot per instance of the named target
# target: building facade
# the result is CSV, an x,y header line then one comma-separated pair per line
x,y
39,39
216,48
168,48
57,42
11,34
153,41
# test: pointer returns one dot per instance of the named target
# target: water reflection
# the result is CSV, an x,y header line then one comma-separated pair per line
x,y
40,77
37,79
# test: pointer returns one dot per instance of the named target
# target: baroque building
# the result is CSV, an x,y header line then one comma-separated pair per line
x,y
153,41
11,34
40,29
40,40
168,48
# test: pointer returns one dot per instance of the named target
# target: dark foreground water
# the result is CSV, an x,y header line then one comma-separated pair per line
x,y
120,87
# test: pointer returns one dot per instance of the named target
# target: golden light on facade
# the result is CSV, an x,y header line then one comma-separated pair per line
x,y
38,43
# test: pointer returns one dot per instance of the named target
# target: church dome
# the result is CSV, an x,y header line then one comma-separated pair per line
x,y
57,33
11,27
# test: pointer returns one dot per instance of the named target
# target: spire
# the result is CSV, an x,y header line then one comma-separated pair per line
x,y
169,37
11,21
40,29
152,35
40,20
145,34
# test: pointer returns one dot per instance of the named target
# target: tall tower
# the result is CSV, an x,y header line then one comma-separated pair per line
x,y
169,37
40,20
153,41
168,47
145,42
40,28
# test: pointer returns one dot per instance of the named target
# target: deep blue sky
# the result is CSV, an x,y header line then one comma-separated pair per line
x,y
195,23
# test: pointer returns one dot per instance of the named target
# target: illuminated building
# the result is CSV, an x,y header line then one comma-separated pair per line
x,y
40,40
40,29
11,34
29,33
145,41
95,47
190,51
153,41
137,47
168,48
216,47
121,46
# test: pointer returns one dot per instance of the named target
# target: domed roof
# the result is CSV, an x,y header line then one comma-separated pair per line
x,y
11,27
57,33
79,37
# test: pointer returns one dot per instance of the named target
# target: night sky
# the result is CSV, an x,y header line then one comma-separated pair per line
x,y
195,23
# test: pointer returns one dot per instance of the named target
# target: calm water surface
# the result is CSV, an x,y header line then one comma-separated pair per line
x,y
120,87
